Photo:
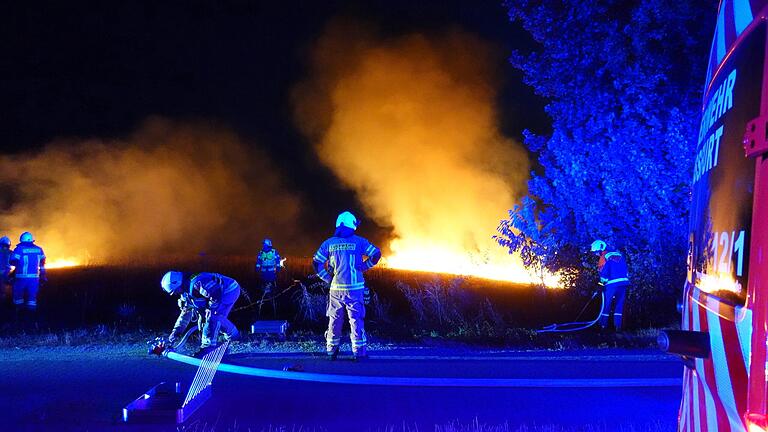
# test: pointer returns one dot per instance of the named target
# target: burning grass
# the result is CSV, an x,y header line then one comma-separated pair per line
x,y
124,299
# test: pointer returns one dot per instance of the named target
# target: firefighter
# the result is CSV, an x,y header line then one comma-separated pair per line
x,y
341,261
267,265
5,266
210,296
29,261
614,280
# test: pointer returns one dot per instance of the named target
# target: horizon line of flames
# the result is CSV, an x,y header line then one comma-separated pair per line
x,y
423,259
454,265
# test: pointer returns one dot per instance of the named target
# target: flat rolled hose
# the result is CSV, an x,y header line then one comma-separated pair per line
x,y
434,381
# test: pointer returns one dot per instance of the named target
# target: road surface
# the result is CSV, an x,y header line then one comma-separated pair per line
x,y
87,390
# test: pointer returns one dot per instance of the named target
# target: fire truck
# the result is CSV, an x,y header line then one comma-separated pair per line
x,y
724,328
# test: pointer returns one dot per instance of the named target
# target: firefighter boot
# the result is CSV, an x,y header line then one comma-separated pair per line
x,y
235,336
359,354
332,352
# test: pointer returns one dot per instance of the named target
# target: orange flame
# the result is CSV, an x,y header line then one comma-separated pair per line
x,y
63,263
429,257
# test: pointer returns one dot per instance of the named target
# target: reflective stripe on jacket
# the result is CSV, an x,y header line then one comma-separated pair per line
x,y
613,269
215,287
340,261
268,260
29,260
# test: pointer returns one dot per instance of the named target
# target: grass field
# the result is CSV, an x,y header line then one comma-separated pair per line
x,y
123,300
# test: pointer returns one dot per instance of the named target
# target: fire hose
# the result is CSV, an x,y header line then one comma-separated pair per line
x,y
161,345
252,303
295,375
577,325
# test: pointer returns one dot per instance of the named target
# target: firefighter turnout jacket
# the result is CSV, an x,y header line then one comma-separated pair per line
x,y
613,269
29,260
340,260
217,288
267,263
268,260
204,291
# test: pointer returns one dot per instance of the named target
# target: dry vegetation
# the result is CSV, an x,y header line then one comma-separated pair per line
x,y
123,302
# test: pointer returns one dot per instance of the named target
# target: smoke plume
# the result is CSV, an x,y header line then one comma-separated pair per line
x,y
170,188
410,124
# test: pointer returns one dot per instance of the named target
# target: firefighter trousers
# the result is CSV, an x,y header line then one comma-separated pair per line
x,y
617,293
353,302
26,287
218,321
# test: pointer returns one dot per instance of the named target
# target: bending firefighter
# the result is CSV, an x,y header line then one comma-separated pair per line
x,y
29,261
614,279
210,296
341,261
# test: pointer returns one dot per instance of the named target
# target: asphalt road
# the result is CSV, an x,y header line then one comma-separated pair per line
x,y
86,391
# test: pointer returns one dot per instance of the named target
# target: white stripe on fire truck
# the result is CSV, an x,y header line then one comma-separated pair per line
x,y
744,330
742,15
737,367
720,34
695,410
696,403
718,414
722,371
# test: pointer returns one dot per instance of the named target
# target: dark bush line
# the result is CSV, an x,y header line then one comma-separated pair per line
x,y
405,304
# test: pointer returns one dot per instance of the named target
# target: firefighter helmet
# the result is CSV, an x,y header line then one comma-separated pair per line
x,y
347,219
5,241
267,242
27,237
171,281
598,246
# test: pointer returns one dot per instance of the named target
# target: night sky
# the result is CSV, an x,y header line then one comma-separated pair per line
x,y
81,70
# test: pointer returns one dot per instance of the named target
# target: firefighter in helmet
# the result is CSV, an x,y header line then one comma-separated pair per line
x,y
5,265
614,280
268,263
29,261
211,297
341,261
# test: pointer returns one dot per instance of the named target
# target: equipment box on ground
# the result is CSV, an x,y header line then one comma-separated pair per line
x,y
271,328
164,403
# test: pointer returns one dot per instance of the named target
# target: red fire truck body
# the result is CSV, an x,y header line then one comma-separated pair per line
x,y
725,302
